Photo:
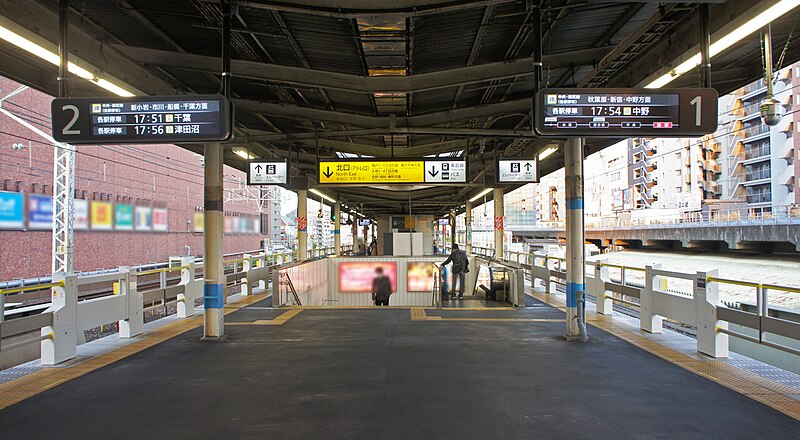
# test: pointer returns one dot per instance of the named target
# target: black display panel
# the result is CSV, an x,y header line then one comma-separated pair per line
x,y
142,119
626,112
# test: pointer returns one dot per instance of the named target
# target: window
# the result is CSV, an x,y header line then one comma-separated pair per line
x,y
615,176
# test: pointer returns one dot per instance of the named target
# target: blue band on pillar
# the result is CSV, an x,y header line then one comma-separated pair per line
x,y
575,204
213,295
335,232
572,293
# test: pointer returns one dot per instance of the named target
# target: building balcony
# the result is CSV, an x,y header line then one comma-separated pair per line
x,y
755,89
759,198
751,111
755,133
759,177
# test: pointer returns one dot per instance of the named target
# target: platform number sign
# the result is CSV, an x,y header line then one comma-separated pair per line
x,y
142,119
626,112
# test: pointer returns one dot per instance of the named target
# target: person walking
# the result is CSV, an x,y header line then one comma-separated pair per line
x,y
460,269
381,288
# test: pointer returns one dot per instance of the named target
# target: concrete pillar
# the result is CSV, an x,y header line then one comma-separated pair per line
x,y
499,249
337,224
214,288
302,225
468,238
573,188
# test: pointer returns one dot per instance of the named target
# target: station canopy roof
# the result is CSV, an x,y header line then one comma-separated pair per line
x,y
364,78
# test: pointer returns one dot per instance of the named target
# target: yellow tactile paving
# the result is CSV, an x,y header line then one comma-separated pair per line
x,y
280,320
17,390
763,390
419,314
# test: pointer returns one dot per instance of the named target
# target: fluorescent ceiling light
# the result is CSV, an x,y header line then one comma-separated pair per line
x,y
322,195
481,194
546,153
53,58
244,154
759,21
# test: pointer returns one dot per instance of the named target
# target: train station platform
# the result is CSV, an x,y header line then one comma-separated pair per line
x,y
396,373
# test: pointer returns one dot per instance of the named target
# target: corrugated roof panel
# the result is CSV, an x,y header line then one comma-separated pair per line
x,y
444,41
327,43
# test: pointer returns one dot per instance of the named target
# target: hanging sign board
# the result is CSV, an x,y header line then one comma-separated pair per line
x,y
379,171
626,112
517,170
268,172
142,119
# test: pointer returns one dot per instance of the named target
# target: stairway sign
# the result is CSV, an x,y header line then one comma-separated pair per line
x,y
268,172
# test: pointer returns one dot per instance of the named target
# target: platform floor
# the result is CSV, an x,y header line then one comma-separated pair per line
x,y
392,373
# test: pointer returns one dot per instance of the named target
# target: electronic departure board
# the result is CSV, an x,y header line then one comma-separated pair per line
x,y
142,119
626,112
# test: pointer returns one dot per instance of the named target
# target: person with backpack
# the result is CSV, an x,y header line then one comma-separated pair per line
x,y
381,288
460,269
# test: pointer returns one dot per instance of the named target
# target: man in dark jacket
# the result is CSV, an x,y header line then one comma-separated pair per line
x,y
460,269
381,288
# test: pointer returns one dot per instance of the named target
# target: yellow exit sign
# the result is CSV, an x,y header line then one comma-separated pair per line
x,y
392,171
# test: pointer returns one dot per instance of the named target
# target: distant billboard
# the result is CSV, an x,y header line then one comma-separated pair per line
x,y
123,217
160,220
40,212
420,276
81,219
12,210
357,276
689,201
144,218
102,216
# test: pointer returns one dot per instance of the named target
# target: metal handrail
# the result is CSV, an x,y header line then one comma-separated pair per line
x,y
31,288
164,270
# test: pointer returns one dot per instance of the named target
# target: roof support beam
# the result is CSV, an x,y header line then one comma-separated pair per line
x,y
362,84
355,8
351,119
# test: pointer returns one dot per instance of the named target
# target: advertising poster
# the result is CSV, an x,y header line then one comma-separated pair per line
x,y
81,219
12,210
256,225
40,212
102,216
144,218
160,220
123,217
420,276
228,224
617,200
356,276
198,222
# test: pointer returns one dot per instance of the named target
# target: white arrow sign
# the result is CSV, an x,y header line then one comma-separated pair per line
x,y
268,172
445,171
516,170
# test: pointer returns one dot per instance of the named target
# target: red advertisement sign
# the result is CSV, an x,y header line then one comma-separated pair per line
x,y
356,277
302,223
498,223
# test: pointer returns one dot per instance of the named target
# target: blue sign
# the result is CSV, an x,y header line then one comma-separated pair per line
x,y
12,210
40,212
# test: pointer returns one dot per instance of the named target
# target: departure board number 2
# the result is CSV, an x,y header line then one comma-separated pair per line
x,y
149,119
149,129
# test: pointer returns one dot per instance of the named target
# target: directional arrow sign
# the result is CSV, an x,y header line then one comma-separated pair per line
x,y
446,171
433,171
516,170
268,172
328,173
